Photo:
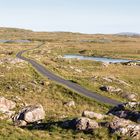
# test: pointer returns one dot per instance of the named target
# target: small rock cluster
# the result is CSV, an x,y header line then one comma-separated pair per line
x,y
28,114
124,127
11,60
110,89
113,79
6,107
123,123
91,115
127,111
127,95
131,63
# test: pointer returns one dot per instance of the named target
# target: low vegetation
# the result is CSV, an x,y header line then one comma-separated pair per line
x,y
21,83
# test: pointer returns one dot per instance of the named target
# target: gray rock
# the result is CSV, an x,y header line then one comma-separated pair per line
x,y
131,130
116,123
116,80
127,111
130,96
70,103
90,114
30,114
105,64
82,124
108,79
23,88
110,89
6,105
85,124
124,127
131,105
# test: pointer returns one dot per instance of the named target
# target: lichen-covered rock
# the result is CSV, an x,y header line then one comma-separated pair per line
x,y
110,89
127,111
30,114
11,60
117,122
70,103
85,124
124,127
6,105
131,105
81,124
91,114
131,130
130,96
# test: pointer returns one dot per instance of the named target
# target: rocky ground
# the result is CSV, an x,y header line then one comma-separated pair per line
x,y
32,107
123,119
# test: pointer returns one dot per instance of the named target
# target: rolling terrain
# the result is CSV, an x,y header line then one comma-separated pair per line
x,y
58,84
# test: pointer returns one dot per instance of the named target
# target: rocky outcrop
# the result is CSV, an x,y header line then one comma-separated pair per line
x,y
131,130
120,92
112,79
6,107
131,63
117,123
29,114
90,114
104,64
81,124
130,96
124,127
85,124
11,60
69,104
110,89
127,111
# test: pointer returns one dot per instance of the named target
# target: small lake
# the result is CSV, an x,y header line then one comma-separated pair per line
x,y
14,41
100,59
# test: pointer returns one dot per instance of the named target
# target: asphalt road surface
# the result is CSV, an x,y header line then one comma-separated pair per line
x,y
72,86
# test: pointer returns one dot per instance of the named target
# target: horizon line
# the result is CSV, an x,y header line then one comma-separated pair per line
x,y
66,31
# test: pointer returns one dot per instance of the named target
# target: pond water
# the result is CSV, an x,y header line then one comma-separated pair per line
x,y
14,41
101,59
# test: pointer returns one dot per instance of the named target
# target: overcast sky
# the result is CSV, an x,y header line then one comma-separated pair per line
x,y
86,16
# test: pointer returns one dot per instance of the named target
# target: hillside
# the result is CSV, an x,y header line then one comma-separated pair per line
x,y
35,107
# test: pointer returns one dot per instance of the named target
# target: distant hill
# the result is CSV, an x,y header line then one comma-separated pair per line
x,y
2,29
129,34
14,33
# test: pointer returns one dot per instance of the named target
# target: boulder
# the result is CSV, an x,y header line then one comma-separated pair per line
x,y
130,96
11,60
131,105
104,64
6,105
117,123
131,130
30,114
85,124
116,80
127,111
124,127
23,87
90,114
110,89
81,124
107,79
70,103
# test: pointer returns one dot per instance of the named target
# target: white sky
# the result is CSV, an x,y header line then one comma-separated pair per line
x,y
86,16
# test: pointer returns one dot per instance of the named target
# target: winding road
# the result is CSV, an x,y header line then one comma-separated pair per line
x,y
72,86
